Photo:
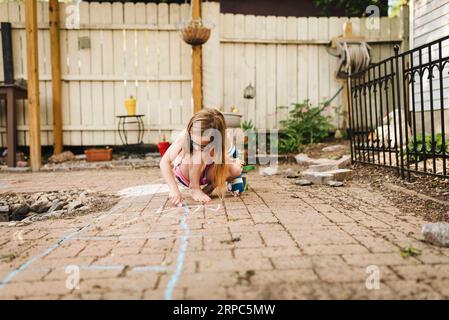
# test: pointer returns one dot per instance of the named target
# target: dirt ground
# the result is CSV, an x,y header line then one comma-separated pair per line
x,y
421,195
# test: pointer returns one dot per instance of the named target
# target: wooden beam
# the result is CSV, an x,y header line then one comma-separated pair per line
x,y
53,7
33,84
197,72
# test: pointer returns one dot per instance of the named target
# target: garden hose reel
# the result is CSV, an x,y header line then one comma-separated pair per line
x,y
354,57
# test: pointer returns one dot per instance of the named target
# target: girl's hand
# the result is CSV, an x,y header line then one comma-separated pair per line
x,y
176,198
199,195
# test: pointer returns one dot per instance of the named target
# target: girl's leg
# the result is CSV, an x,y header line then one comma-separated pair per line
x,y
233,172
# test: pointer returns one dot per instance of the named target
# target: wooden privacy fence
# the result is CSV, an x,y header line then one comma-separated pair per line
x,y
135,49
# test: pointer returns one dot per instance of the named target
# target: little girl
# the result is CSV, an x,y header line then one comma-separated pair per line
x,y
201,155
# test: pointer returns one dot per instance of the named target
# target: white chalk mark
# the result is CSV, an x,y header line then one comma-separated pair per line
x,y
196,207
123,224
144,190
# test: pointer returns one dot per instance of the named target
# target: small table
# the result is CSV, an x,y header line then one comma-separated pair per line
x,y
122,130
11,92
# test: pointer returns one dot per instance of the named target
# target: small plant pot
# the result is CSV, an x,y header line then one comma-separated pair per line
x,y
93,155
163,146
232,120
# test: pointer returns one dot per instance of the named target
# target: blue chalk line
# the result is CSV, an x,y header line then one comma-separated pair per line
x,y
7,279
181,255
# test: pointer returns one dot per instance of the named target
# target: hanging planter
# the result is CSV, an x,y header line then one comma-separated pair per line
x,y
195,32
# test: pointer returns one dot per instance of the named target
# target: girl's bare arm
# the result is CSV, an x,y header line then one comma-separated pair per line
x,y
166,168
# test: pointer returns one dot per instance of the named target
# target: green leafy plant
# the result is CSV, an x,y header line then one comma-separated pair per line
x,y
410,252
423,144
248,125
8,257
305,124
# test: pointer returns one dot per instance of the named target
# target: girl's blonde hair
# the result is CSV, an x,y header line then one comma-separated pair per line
x,y
208,119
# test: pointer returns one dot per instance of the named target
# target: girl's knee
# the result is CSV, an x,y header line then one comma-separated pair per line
x,y
235,171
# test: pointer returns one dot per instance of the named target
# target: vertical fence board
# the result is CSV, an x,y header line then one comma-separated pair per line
x,y
238,79
164,67
313,93
323,61
271,74
303,65
292,63
86,86
250,67
228,62
261,75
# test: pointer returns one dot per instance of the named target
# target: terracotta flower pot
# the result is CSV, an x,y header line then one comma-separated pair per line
x,y
98,154
163,146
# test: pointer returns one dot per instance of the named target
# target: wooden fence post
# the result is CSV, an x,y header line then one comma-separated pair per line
x,y
53,7
33,84
197,77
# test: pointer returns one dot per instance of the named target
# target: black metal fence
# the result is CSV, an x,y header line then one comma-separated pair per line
x,y
399,111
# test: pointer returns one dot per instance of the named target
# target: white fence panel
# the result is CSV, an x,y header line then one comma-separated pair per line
x,y
135,49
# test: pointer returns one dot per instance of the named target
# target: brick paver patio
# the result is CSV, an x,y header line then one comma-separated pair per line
x,y
277,241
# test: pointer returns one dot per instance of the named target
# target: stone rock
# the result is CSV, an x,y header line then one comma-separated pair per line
x,y
40,206
329,165
4,213
74,205
344,161
21,209
29,218
17,216
333,148
43,198
323,167
436,233
317,177
333,183
303,182
302,158
289,172
62,157
268,171
57,205
35,196
54,214
325,177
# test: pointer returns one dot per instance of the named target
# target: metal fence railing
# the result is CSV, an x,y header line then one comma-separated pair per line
x,y
399,111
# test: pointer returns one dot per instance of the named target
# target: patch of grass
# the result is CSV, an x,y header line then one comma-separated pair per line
x,y
245,277
8,257
231,241
410,252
